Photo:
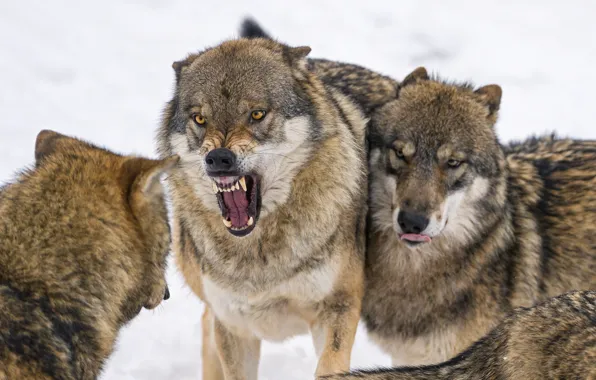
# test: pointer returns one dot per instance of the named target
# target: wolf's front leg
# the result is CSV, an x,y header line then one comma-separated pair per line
x,y
211,363
334,332
238,356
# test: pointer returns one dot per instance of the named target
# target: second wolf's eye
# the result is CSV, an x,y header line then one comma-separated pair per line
x,y
399,153
453,163
257,115
199,119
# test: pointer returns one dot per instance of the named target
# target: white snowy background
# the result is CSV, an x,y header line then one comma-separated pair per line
x,y
101,70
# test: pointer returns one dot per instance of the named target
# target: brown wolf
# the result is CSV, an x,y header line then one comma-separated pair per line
x,y
83,244
269,203
554,340
463,229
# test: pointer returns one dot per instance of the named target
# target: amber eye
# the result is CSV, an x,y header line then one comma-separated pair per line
x,y
199,119
453,163
257,115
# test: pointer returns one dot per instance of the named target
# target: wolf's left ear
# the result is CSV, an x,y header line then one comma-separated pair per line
x,y
45,144
296,57
490,96
298,53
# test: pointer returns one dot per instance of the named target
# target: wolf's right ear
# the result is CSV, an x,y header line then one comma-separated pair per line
x,y
415,76
179,66
45,144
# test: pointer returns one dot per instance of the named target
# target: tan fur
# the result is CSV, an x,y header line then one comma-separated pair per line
x,y
510,226
83,244
301,268
553,340
365,87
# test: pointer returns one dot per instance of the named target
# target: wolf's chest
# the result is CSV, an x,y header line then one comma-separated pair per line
x,y
426,349
281,311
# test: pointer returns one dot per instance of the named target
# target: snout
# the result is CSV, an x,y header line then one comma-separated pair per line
x,y
221,162
157,298
237,192
413,225
411,222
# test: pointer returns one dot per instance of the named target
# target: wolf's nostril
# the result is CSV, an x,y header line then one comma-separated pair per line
x,y
221,160
412,223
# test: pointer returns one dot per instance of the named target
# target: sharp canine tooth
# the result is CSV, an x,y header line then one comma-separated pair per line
x,y
215,189
227,223
250,221
242,182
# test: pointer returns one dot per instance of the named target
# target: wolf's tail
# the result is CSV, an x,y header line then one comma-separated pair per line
x,y
251,29
480,361
412,373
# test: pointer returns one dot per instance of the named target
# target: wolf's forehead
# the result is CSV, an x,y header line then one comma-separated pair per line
x,y
238,69
231,83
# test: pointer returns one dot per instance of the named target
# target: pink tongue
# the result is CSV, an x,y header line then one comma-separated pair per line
x,y
415,237
237,205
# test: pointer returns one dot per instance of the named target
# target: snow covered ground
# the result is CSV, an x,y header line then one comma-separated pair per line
x,y
101,70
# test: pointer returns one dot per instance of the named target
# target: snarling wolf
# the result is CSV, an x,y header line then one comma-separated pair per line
x,y
269,203
84,238
553,340
463,228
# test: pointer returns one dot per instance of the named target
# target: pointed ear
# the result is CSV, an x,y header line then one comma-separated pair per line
x,y
490,96
45,144
147,181
417,75
298,53
178,66
295,56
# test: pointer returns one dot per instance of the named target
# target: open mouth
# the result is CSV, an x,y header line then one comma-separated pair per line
x,y
239,202
415,239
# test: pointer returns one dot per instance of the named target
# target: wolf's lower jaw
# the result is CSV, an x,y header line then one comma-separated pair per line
x,y
237,200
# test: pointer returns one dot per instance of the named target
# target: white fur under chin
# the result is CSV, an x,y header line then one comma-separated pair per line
x,y
255,314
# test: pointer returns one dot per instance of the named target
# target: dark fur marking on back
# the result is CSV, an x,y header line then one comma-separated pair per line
x,y
542,210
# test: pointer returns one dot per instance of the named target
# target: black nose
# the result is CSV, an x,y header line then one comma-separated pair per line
x,y
221,161
412,223
166,295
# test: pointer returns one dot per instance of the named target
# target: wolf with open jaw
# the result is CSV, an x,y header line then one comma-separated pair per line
x,y
269,203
